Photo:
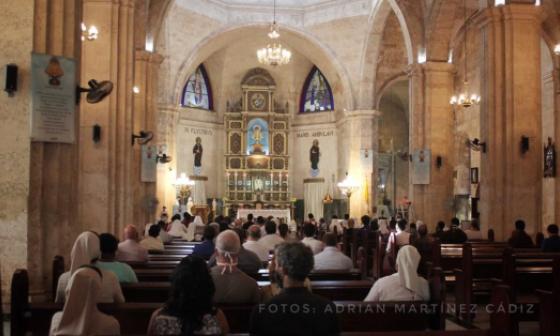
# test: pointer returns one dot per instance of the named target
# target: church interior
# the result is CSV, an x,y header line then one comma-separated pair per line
x,y
353,117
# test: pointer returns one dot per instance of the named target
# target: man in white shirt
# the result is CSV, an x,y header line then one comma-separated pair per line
x,y
315,245
402,237
331,258
252,243
336,226
271,239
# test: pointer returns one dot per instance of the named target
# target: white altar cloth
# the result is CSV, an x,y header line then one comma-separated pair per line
x,y
276,213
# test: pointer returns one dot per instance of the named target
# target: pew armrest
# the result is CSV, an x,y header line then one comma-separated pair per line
x,y
548,319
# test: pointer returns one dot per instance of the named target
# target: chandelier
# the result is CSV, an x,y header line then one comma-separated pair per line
x,y
466,98
273,54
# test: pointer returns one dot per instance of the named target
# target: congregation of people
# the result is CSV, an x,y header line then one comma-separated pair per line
x,y
221,266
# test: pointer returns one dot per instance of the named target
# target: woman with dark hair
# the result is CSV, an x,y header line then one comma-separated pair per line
x,y
189,309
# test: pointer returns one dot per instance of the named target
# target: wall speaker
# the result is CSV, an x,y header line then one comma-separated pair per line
x,y
11,79
524,144
439,161
96,133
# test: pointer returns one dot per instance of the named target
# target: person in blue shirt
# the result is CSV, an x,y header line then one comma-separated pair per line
x,y
206,248
109,245
552,243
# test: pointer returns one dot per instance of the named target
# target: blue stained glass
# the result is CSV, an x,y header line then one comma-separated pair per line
x,y
197,92
317,95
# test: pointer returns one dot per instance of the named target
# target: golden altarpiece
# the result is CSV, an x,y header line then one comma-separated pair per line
x,y
257,147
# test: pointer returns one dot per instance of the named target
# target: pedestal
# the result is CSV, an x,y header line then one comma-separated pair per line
x,y
314,191
199,190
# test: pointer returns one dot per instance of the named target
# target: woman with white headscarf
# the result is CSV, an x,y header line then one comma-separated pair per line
x,y
406,284
80,315
85,251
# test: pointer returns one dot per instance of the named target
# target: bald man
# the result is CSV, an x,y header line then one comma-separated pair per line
x,y
130,250
232,285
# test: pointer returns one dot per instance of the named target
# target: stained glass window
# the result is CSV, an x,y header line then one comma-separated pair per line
x,y
197,92
317,95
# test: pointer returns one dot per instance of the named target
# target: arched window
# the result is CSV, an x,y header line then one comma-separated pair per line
x,y
197,92
317,94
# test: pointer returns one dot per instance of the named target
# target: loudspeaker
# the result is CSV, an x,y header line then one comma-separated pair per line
x,y
524,144
96,133
11,79
439,161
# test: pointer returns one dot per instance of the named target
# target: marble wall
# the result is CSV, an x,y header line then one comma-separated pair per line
x,y
15,46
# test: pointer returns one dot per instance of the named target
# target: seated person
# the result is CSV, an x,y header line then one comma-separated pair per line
x,y
331,258
232,285
80,315
309,232
189,310
308,314
406,284
440,228
130,250
152,242
454,235
247,261
164,236
252,244
552,243
109,246
271,239
423,242
205,250
86,251
402,237
519,238
179,230
473,233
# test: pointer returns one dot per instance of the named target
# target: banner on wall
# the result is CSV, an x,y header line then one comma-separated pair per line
x,y
149,163
421,164
53,92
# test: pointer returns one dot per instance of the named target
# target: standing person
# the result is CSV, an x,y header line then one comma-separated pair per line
x,y
308,314
80,315
130,249
107,262
189,310
86,251
519,238
249,222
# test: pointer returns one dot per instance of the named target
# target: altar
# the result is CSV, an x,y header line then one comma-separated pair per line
x,y
276,213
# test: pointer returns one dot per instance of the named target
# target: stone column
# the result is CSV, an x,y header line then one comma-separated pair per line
x,y
53,167
431,128
146,69
511,181
358,137
105,190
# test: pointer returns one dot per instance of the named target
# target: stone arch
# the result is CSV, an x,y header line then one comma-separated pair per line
x,y
314,50
377,19
439,29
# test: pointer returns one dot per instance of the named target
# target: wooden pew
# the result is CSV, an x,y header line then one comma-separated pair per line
x,y
351,290
480,264
134,317
527,308
549,304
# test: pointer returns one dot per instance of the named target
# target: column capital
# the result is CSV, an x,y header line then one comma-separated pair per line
x,y
521,11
